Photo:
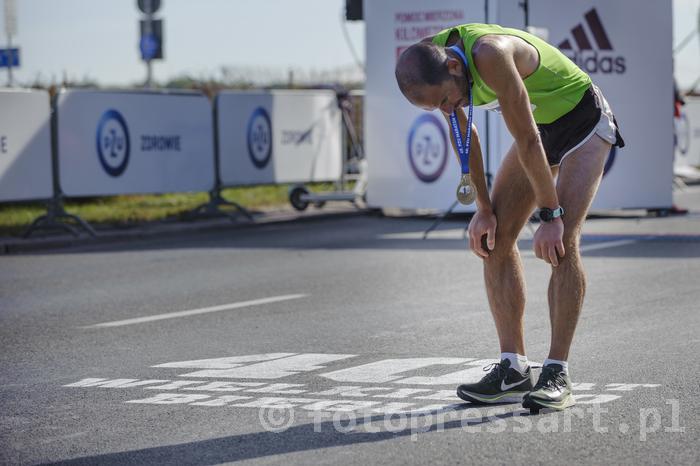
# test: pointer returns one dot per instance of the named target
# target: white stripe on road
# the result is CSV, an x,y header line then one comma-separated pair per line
x,y
458,233
592,247
192,312
607,244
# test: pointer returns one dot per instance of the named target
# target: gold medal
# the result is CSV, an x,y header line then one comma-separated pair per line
x,y
466,191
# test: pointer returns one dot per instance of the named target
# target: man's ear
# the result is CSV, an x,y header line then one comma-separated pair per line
x,y
454,67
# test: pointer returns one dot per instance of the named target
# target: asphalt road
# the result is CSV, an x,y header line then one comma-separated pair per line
x,y
337,341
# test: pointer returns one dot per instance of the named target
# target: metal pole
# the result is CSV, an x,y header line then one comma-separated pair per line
x,y
526,9
9,64
149,67
149,74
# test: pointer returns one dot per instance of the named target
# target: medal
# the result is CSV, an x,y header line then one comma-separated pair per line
x,y
466,191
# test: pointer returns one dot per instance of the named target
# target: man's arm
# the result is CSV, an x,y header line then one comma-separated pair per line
x,y
496,63
497,68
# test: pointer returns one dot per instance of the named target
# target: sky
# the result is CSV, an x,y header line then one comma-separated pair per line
x,y
98,39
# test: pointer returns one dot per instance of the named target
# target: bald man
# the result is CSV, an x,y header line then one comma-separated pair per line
x,y
563,129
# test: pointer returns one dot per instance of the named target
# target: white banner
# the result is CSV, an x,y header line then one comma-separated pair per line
x,y
134,142
25,145
687,134
411,164
635,72
278,137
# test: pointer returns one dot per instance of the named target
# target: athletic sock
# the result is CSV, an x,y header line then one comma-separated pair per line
x,y
517,361
564,365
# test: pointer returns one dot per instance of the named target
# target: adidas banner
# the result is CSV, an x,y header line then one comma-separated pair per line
x,y
626,50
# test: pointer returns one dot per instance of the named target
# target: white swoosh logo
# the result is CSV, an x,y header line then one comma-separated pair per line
x,y
505,386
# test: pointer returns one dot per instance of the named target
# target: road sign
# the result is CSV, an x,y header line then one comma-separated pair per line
x,y
149,6
149,46
151,43
10,18
9,58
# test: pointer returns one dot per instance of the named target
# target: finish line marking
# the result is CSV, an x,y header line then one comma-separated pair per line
x,y
192,312
324,382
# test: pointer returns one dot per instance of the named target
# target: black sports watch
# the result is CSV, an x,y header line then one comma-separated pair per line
x,y
547,215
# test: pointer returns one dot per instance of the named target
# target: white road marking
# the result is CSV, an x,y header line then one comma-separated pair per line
x,y
192,312
607,244
458,234
451,234
591,247
384,395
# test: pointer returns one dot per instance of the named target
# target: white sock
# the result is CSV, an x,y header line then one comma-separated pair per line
x,y
517,361
564,365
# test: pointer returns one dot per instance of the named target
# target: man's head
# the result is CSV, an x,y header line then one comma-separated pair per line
x,y
431,77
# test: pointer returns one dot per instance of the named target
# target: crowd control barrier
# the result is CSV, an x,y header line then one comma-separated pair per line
x,y
25,145
103,143
687,135
278,137
134,142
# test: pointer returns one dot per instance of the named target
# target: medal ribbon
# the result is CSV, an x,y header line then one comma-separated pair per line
x,y
463,147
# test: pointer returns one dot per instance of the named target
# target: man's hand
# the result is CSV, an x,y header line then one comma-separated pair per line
x,y
482,223
548,241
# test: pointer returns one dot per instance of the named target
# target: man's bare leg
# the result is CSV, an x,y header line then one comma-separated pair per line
x,y
513,201
579,178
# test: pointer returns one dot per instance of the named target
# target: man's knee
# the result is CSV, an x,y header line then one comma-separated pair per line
x,y
504,251
572,253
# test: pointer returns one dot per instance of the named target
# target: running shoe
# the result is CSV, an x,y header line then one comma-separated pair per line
x,y
502,384
552,390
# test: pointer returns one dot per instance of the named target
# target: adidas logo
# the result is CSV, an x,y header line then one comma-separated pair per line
x,y
598,59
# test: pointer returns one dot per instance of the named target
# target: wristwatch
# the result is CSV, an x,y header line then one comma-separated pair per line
x,y
547,215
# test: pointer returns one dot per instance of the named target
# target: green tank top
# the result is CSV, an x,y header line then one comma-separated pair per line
x,y
554,88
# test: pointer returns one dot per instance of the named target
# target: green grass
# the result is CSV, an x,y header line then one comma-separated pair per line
x,y
125,211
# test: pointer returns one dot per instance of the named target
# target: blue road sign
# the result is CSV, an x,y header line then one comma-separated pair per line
x,y
149,46
9,57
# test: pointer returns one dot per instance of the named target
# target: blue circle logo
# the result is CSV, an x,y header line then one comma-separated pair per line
x,y
113,142
260,138
427,148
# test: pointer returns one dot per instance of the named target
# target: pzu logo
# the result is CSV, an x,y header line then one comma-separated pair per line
x,y
113,142
260,137
427,148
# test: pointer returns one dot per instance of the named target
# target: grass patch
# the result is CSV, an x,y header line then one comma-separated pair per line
x,y
126,211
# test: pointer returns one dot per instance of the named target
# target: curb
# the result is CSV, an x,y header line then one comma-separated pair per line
x,y
10,246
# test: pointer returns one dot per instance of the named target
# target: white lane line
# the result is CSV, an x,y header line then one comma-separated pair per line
x,y
453,233
607,244
591,247
192,312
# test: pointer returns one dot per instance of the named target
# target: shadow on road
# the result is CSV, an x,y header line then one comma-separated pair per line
x,y
311,436
375,233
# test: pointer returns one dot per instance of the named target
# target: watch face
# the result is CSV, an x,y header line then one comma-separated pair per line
x,y
546,215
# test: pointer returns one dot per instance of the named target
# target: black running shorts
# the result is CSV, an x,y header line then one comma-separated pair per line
x,y
592,115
